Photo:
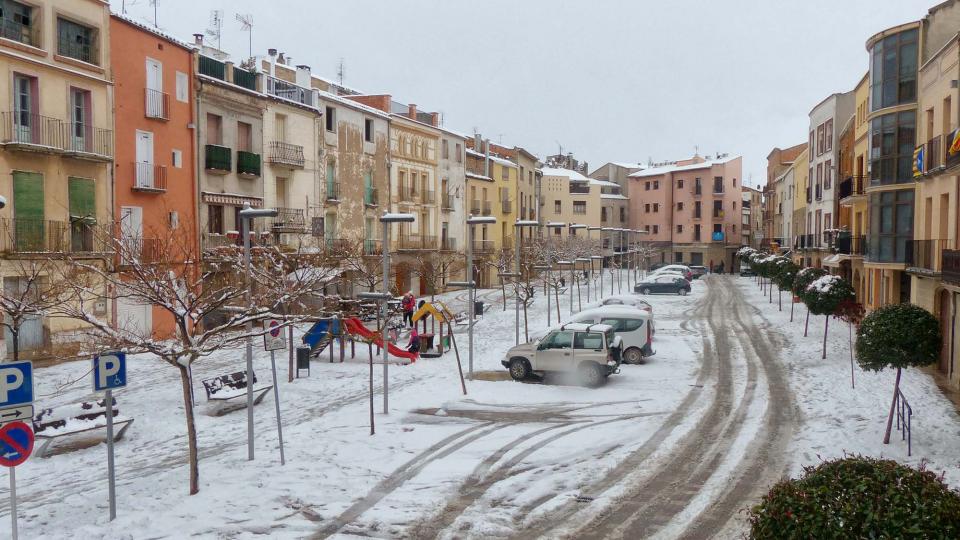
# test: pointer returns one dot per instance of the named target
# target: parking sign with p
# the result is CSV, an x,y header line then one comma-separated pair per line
x,y
16,384
109,371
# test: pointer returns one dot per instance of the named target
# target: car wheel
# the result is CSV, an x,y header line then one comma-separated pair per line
x,y
645,290
519,369
632,356
591,375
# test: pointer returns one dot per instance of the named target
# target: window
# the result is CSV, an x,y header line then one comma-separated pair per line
x,y
603,214
656,229
183,83
645,228
892,140
77,41
623,325
734,182
893,74
245,134
656,184
557,340
646,186
214,129
820,139
16,22
680,206
80,120
697,209
504,172
679,229
680,183
445,149
813,141
579,207
718,184
459,153
734,205
215,219
696,233
556,207
891,225
177,159
656,207
368,130
827,173
623,214
828,133
646,208
331,119
583,340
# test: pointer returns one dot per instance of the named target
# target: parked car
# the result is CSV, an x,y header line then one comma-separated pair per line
x,y
657,266
630,300
683,269
663,284
698,271
592,352
634,326
677,273
745,270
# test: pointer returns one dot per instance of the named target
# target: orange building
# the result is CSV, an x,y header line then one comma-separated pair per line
x,y
154,180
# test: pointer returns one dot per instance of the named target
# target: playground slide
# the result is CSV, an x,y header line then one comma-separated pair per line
x,y
355,326
320,335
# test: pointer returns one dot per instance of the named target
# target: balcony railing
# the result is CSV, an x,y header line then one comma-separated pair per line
x,y
289,220
448,244
809,195
506,206
16,31
157,104
851,245
950,266
578,189
487,208
819,192
288,154
934,153
371,196
244,78
30,236
446,202
150,177
927,254
142,250
507,243
697,190
333,191
248,163
428,196
212,67
717,190
718,214
475,207
218,158
415,242
483,246
336,245
288,90
87,139
26,128
372,247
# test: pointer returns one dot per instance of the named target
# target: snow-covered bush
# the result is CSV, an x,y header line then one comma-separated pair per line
x,y
785,274
824,295
898,336
744,253
805,277
858,497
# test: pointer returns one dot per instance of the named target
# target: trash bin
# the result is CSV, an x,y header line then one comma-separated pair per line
x,y
478,308
426,342
303,360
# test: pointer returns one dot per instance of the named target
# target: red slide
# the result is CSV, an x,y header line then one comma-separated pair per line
x,y
355,326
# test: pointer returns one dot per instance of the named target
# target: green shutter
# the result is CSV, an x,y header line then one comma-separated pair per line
x,y
82,198
27,195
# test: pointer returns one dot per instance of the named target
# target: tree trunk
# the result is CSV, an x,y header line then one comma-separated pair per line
x,y
579,300
850,340
791,306
503,290
806,325
893,407
526,330
191,432
770,290
826,325
15,334
779,299
557,296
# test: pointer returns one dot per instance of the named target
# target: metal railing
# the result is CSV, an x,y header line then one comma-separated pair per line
x,y
819,192
809,195
448,244
717,190
697,191
87,139
927,254
289,220
934,154
579,190
416,242
333,191
950,269
506,206
17,31
371,196
483,246
157,104
428,196
24,127
475,207
288,90
717,213
211,67
286,154
218,158
245,79
446,202
28,236
149,177
506,243
78,51
372,247
336,245
248,163
851,245
904,419
487,208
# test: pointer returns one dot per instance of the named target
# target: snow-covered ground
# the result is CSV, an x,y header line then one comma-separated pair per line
x,y
495,463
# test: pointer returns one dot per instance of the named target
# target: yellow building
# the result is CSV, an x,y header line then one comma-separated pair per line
x,y
56,139
799,226
853,201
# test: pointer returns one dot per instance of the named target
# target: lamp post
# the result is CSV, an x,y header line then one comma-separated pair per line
x,y
589,230
551,225
613,230
590,261
598,258
573,228
248,214
518,226
385,220
376,297
471,222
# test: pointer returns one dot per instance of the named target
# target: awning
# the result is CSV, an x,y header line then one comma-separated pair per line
x,y
230,199
835,260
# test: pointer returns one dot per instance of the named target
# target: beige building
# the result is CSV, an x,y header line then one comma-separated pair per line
x,y
56,140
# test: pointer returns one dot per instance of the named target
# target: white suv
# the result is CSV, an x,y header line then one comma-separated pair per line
x,y
591,351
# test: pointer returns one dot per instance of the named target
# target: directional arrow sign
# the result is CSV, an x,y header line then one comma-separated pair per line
x,y
12,414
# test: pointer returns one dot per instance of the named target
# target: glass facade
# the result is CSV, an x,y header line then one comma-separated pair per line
x,y
891,225
893,71
892,141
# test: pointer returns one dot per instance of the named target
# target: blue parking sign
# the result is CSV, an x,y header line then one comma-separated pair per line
x,y
16,384
109,371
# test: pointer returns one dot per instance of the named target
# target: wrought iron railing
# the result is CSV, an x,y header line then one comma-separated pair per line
x,y
28,236
577,189
904,419
448,244
372,247
333,191
483,246
286,154
475,207
17,31
150,177
24,127
851,245
416,242
371,196
487,208
506,206
934,154
446,202
428,196
288,90
157,104
87,139
289,220
84,52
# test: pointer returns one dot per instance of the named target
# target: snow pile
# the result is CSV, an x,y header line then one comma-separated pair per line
x,y
824,284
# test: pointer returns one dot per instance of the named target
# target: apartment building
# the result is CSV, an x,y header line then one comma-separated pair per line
x,y
614,199
453,189
690,209
851,241
153,195
56,142
827,118
933,261
837,262
572,198
751,217
778,161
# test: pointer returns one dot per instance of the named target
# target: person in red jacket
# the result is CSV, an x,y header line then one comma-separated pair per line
x,y
408,304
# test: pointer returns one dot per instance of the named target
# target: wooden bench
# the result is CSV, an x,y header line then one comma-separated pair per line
x,y
224,388
59,422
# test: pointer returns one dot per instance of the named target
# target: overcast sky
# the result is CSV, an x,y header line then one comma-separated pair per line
x,y
609,80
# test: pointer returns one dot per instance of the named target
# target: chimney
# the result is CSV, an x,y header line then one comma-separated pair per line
x,y
412,111
281,59
476,142
486,159
303,76
198,39
272,53
435,119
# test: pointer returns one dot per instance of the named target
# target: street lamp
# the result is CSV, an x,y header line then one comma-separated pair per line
x,y
613,230
385,220
551,225
598,258
471,222
246,215
595,257
376,297
572,231
584,260
519,225
571,264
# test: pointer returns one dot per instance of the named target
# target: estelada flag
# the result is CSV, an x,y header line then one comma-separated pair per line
x,y
955,144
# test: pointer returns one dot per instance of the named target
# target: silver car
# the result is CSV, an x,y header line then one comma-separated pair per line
x,y
592,352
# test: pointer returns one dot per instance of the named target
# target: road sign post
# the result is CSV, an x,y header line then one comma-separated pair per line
x,y
110,372
16,438
16,444
273,340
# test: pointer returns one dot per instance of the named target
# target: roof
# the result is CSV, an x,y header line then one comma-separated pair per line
x,y
572,175
603,183
585,326
154,31
492,157
614,196
351,103
478,176
657,171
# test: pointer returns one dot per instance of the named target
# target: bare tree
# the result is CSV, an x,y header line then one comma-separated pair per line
x,y
30,290
435,268
363,264
503,263
206,302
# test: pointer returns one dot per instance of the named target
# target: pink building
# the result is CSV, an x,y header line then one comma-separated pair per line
x,y
691,209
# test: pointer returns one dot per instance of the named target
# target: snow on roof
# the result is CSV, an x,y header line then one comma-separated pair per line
x,y
613,196
154,31
478,176
352,103
657,171
498,159
572,175
603,183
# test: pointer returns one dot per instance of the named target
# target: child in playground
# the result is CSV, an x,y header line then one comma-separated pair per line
x,y
408,304
414,344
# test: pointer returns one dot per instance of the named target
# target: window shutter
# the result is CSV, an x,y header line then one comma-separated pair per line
x,y
27,195
82,198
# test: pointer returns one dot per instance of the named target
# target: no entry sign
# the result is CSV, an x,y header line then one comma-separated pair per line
x,y
273,336
16,444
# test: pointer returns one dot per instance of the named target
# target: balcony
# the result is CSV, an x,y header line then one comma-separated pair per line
x,y
416,242
448,244
809,195
333,191
218,159
697,191
336,246
157,104
248,164
212,67
371,196
475,207
934,155
289,91
428,196
579,189
718,214
286,154
22,236
850,187
23,130
506,206
289,220
851,245
142,250
17,31
950,266
487,208
507,243
819,192
483,246
446,202
149,178
926,256
245,79
372,247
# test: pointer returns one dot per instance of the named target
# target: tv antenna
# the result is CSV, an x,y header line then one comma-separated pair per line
x,y
246,25
341,72
216,25
154,4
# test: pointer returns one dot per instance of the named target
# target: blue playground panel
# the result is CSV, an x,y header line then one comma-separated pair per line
x,y
319,330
